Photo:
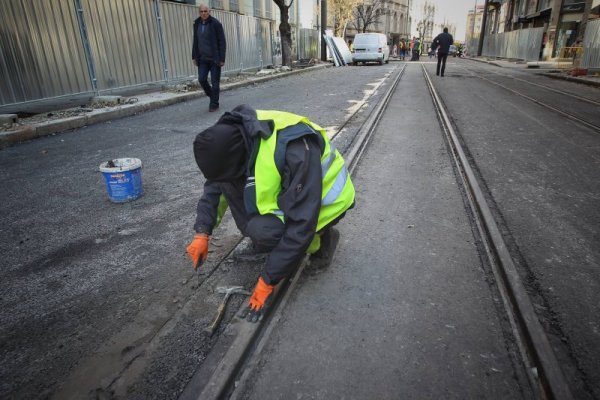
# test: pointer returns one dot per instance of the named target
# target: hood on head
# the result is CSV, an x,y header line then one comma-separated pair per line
x,y
221,152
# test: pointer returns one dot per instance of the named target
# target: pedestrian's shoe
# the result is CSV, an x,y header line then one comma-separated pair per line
x,y
322,258
212,108
249,253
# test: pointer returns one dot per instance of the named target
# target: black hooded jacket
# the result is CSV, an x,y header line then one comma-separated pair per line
x,y
442,42
236,136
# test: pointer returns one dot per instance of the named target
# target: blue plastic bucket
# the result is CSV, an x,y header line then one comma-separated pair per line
x,y
123,178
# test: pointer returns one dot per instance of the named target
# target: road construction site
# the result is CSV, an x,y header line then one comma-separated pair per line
x,y
467,269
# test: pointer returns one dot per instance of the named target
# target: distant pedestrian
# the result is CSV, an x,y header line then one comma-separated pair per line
x,y
208,53
416,50
402,49
442,43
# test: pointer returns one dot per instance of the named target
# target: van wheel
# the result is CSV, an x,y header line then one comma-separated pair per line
x,y
381,61
387,61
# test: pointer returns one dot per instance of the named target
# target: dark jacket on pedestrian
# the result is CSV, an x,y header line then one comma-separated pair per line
x,y
212,46
302,169
442,42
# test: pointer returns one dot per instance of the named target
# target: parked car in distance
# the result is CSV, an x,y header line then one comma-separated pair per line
x,y
370,47
452,51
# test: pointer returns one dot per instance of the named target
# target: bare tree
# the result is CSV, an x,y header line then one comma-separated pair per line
x,y
367,13
340,14
285,31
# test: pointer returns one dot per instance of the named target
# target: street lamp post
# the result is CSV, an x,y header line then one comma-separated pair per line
x,y
323,29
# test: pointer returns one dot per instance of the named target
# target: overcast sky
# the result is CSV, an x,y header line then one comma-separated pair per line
x,y
453,11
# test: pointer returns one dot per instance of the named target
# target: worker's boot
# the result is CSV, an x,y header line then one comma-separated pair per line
x,y
322,258
248,252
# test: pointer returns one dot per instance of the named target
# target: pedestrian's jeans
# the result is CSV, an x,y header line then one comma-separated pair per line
x,y
212,90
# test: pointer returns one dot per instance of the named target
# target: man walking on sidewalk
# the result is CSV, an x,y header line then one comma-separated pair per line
x,y
208,53
442,43
286,185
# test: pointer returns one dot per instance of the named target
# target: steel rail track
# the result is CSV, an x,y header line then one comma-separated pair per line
x,y
584,99
531,338
236,366
541,103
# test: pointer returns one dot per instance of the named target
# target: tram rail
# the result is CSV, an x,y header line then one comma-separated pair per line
x,y
235,367
238,363
533,343
550,88
570,115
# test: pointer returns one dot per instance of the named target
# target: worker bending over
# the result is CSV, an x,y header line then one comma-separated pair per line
x,y
286,186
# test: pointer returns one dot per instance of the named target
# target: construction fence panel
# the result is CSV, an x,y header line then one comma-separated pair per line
x,y
591,45
266,32
532,45
124,42
85,47
308,43
235,50
178,25
41,51
472,46
250,38
523,44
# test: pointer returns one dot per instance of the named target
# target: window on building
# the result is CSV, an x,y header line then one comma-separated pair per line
x,y
216,4
234,6
257,8
269,9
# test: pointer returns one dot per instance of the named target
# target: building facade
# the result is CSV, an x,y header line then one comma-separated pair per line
x,y
474,20
561,21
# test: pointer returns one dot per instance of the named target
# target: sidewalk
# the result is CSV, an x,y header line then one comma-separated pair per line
x,y
61,120
549,69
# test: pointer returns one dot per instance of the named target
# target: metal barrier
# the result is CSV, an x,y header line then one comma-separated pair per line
x,y
308,44
523,44
61,48
591,44
41,51
124,42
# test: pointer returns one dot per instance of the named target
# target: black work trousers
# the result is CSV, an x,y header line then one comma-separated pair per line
x,y
441,61
265,231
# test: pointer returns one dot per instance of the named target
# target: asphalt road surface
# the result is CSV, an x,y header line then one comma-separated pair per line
x,y
99,300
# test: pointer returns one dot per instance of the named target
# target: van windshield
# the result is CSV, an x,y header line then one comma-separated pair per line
x,y
365,39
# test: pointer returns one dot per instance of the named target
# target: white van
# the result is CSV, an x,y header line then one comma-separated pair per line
x,y
370,47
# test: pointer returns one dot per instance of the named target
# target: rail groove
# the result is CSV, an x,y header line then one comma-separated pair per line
x,y
534,344
548,106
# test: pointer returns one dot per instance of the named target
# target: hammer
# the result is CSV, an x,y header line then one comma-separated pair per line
x,y
221,311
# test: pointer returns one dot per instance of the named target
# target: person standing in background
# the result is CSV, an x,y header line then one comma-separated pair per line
x,y
208,53
402,48
442,43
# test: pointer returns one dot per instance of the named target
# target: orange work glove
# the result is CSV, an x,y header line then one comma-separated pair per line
x,y
255,309
198,249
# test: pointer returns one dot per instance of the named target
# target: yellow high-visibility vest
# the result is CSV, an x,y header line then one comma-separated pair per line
x,y
264,183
